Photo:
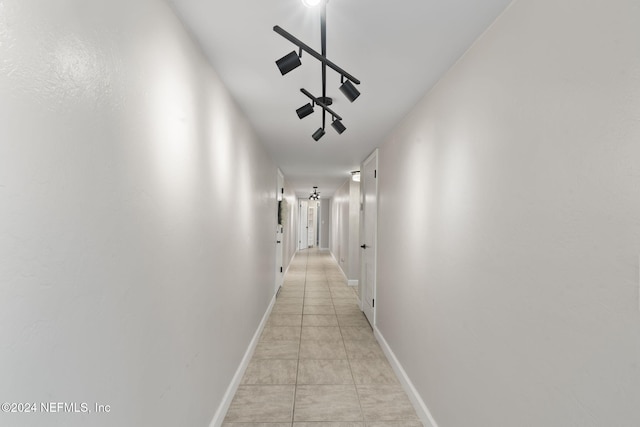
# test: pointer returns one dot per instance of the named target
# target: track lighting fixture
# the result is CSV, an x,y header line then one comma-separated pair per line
x,y
349,90
304,111
337,120
292,60
289,62
318,134
338,126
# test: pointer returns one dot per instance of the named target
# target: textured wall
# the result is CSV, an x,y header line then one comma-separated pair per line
x,y
133,198
510,224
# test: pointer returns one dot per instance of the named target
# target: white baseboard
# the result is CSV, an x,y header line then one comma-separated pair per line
x,y
218,418
416,400
339,266
352,282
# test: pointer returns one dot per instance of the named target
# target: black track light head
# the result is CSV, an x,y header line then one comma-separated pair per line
x,y
338,126
349,90
289,62
318,134
305,110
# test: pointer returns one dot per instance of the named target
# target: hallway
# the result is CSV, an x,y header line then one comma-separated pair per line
x,y
318,362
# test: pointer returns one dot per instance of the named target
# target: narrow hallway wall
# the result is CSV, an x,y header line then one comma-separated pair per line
x,y
290,226
509,217
137,217
345,228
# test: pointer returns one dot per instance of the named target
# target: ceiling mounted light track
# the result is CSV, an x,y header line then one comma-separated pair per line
x,y
292,61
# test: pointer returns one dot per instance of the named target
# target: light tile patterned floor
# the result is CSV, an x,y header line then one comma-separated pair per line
x,y
318,363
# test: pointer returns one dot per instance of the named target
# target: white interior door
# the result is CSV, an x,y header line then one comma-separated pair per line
x,y
303,242
311,225
369,193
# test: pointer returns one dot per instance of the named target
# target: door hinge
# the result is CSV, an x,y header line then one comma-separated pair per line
x,y
280,269
375,173
282,190
373,303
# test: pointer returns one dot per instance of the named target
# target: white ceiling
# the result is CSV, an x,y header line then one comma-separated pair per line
x,y
398,49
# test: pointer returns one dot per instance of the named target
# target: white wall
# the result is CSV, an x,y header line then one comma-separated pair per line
x,y
510,224
290,226
354,230
345,228
133,196
339,244
325,222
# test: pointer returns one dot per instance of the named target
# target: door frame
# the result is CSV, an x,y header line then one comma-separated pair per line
x,y
279,273
303,206
364,184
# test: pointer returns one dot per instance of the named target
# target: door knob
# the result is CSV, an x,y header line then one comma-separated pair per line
x,y
363,246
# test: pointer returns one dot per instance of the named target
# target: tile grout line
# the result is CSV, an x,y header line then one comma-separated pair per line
x,y
355,386
295,387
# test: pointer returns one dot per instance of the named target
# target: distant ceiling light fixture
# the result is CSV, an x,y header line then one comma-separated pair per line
x,y
355,175
315,194
292,61
318,134
338,126
305,110
288,63
311,3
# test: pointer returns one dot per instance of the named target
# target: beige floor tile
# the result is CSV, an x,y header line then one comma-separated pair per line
x,y
348,309
271,371
363,349
277,319
353,319
336,282
256,424
292,301
321,333
385,403
291,293
394,424
317,301
346,302
277,350
327,403
319,320
281,333
320,293
318,283
262,403
343,293
329,424
319,309
322,350
324,372
319,351
353,333
287,309
372,371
